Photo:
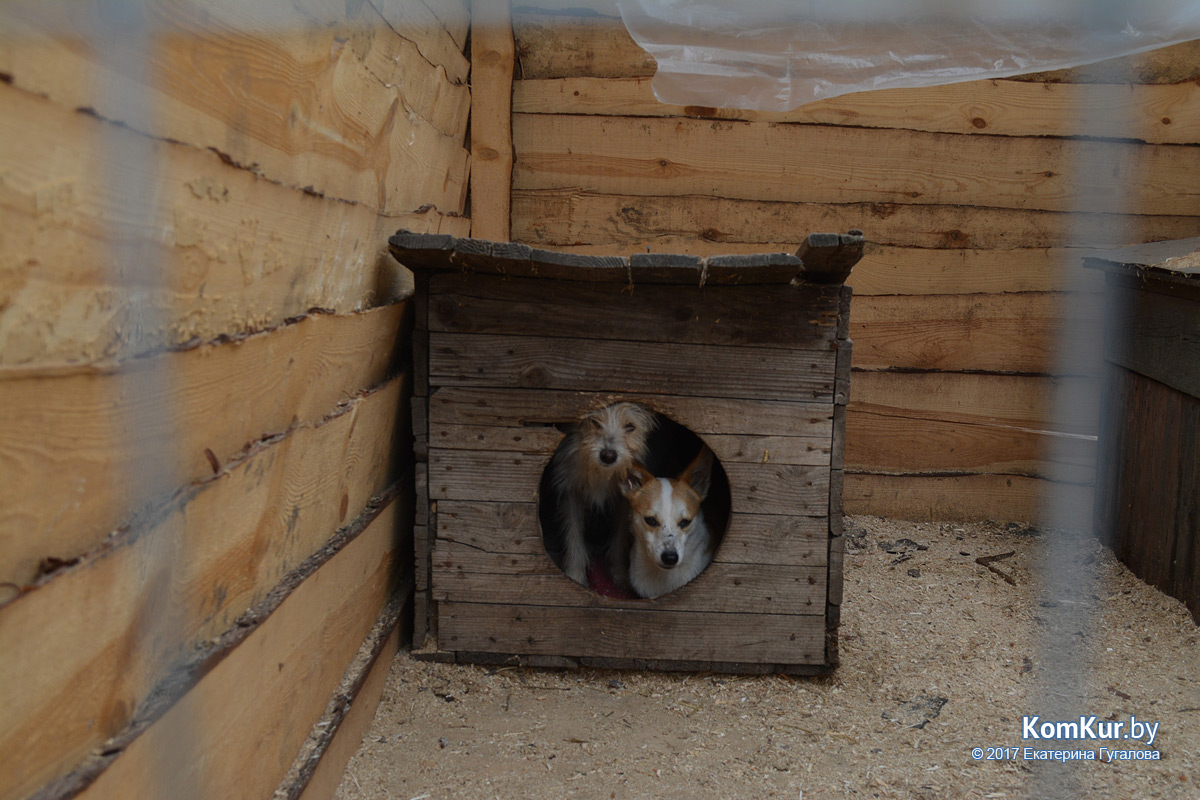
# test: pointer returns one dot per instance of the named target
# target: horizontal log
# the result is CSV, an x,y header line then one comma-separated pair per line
x,y
1162,114
321,762
174,580
704,416
509,477
1020,402
590,221
624,633
563,42
350,110
928,498
819,164
512,529
79,441
465,575
989,333
802,316
561,45
457,359
236,253
811,447
236,732
890,442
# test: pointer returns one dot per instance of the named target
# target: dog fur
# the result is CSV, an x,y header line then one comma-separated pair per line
x,y
665,531
586,470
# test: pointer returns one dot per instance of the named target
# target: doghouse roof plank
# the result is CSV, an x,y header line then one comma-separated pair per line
x,y
1176,261
822,258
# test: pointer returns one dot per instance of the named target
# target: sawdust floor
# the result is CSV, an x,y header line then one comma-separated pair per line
x,y
938,655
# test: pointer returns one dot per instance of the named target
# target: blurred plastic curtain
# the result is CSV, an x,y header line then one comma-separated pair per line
x,y
776,55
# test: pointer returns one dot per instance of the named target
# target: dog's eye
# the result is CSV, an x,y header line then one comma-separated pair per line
x,y
595,423
652,521
631,427
683,523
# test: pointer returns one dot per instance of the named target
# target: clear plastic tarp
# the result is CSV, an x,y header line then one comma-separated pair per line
x,y
776,55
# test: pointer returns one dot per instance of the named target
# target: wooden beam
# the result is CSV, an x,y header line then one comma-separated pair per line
x,y
463,359
350,110
987,333
236,732
76,437
619,632
619,224
175,579
962,497
318,767
492,59
820,164
1161,114
237,253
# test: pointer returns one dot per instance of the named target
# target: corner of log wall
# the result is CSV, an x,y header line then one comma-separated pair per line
x,y
206,522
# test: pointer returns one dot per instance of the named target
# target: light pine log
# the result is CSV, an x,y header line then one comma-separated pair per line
x,y
1159,114
237,253
76,437
236,732
492,56
818,164
174,580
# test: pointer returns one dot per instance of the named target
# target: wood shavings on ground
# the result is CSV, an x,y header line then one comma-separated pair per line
x,y
939,655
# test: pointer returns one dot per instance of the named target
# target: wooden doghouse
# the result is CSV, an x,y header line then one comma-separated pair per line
x,y
749,352
1148,471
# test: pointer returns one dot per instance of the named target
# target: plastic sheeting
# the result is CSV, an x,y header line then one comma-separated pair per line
x,y
776,55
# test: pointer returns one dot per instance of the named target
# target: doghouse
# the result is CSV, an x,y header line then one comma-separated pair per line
x,y
749,352
1148,471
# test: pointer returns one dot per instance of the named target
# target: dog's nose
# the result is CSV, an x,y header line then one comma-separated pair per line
x,y
669,558
608,455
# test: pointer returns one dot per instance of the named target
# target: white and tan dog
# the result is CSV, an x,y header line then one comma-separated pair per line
x,y
586,470
666,533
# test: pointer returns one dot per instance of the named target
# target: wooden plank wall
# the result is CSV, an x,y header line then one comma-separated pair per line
x,y
965,194
205,519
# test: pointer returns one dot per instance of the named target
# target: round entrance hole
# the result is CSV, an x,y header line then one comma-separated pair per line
x,y
633,504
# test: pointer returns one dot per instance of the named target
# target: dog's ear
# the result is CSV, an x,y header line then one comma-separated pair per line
x,y
698,474
637,477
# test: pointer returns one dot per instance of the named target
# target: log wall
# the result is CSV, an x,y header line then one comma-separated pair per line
x,y
971,196
205,372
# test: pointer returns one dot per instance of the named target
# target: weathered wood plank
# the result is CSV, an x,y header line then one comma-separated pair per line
x,y
561,45
74,438
646,156
710,417
1156,335
802,316
893,443
512,528
330,770
575,218
174,580
961,497
623,633
351,110
1020,402
244,721
619,366
236,253
500,477
600,47
465,575
991,333
492,57
812,448
1164,114
318,767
